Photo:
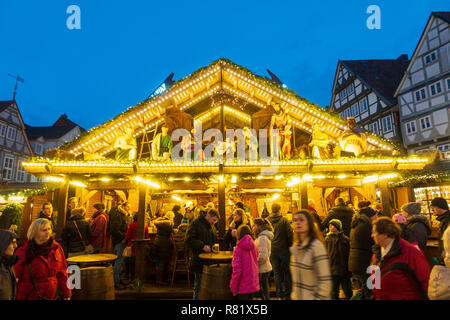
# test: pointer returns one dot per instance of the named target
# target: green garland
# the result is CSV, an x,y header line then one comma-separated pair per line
x,y
413,179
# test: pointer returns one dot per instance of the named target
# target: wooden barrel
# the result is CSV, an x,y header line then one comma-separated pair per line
x,y
216,282
97,283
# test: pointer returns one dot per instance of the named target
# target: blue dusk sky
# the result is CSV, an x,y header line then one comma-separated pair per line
x,y
125,49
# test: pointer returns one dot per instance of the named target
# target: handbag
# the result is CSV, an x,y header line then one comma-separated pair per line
x,y
87,248
35,286
127,252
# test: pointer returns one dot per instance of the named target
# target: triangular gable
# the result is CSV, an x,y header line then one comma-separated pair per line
x,y
220,76
442,15
12,104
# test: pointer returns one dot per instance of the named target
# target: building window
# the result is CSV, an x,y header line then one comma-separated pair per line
x,y
38,149
425,123
411,127
448,84
374,127
7,172
21,174
354,110
444,147
420,94
429,58
435,88
346,91
11,133
2,130
387,124
363,105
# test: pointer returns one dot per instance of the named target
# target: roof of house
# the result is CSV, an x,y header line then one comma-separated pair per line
x,y
62,126
444,15
5,104
383,76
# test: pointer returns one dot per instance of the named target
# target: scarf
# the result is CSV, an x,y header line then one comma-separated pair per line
x,y
34,250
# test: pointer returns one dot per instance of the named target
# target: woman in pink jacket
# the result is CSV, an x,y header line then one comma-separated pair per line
x,y
245,278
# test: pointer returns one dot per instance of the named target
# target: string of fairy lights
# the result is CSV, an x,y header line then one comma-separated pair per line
x,y
203,81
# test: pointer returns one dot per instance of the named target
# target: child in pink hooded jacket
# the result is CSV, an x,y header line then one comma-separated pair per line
x,y
245,278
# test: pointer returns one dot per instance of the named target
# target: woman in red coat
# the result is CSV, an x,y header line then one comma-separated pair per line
x,y
48,265
98,226
131,235
403,267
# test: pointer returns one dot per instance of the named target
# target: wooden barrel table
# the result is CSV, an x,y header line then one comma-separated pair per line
x,y
97,277
216,276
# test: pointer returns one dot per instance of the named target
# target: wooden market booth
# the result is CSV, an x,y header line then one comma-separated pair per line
x,y
222,96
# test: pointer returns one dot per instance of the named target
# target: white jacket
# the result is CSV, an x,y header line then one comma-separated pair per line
x,y
439,283
263,244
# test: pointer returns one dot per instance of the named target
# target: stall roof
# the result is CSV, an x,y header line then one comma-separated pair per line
x,y
221,76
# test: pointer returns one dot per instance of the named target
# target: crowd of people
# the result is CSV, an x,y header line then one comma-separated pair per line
x,y
311,258
368,255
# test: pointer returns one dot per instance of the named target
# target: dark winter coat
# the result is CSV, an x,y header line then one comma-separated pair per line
x,y
177,219
7,277
338,247
361,243
49,273
118,224
283,235
417,229
444,222
42,215
398,284
162,248
199,234
342,213
230,241
71,240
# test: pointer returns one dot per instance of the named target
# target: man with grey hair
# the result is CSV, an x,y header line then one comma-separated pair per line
x,y
280,255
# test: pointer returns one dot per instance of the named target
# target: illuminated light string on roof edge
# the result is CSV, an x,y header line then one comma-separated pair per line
x,y
170,93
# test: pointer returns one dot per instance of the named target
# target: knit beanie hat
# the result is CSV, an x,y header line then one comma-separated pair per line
x,y
399,218
6,238
412,208
368,211
337,223
440,203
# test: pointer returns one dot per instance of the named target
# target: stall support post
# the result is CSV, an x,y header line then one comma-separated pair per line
x,y
385,199
221,198
140,242
62,207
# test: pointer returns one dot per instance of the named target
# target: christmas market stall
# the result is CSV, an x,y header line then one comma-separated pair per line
x,y
223,135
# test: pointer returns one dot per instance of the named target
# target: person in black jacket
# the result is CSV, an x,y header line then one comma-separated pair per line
x,y
342,213
338,247
77,233
118,226
440,208
162,248
283,238
8,244
200,237
47,213
361,243
417,227
178,216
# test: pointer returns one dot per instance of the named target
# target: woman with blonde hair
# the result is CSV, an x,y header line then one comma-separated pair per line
x,y
310,270
42,266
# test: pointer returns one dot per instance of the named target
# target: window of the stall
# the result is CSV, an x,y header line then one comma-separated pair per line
x,y
427,194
